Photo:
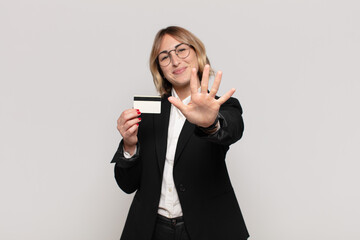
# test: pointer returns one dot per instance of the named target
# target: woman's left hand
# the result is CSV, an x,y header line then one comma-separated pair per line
x,y
203,107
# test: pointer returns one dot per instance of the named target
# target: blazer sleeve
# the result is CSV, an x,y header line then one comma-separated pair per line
x,y
231,124
127,170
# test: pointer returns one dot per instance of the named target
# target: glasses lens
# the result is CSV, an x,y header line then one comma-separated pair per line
x,y
183,51
164,59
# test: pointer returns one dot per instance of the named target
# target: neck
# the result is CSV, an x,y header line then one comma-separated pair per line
x,y
184,91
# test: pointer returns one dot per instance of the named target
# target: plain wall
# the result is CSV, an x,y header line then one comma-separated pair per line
x,y
69,67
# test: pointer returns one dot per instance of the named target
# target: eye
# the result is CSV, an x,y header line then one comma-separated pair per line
x,y
181,49
163,57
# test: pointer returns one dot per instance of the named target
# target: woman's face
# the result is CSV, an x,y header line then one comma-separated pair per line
x,y
178,72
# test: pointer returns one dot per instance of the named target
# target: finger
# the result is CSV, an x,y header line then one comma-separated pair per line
x,y
193,81
205,79
177,103
127,115
132,130
130,138
226,96
130,124
216,84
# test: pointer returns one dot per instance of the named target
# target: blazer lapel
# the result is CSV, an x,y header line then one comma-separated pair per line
x,y
185,134
161,124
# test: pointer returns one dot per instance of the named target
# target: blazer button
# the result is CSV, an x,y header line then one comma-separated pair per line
x,y
182,188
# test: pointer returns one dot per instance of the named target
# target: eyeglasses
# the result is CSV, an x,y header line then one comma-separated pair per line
x,y
181,50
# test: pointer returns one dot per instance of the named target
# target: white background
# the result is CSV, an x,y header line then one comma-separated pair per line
x,y
69,67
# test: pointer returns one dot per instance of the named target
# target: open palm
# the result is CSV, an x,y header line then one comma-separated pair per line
x,y
203,107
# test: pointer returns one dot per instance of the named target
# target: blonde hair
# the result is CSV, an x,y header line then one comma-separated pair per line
x,y
162,85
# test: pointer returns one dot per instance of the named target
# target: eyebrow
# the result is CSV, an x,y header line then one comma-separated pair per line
x,y
165,51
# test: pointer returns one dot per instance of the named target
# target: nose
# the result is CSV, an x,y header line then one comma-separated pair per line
x,y
175,60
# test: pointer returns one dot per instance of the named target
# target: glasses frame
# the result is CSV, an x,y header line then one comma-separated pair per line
x,y
170,57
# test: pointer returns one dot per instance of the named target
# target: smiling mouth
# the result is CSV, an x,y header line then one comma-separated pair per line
x,y
179,71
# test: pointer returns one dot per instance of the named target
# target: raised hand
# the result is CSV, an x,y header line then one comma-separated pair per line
x,y
203,107
128,125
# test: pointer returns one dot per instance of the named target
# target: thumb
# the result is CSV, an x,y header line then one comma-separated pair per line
x,y
177,103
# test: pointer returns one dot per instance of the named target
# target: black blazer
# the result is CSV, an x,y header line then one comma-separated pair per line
x,y
208,202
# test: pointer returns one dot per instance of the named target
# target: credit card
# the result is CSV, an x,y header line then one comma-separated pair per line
x,y
148,104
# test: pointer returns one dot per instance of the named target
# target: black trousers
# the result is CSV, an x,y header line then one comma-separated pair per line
x,y
170,229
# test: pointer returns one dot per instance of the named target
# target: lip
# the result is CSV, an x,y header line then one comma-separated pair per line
x,y
179,71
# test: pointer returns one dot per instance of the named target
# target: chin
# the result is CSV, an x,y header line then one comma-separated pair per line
x,y
183,81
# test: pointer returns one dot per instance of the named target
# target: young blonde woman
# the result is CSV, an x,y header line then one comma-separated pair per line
x,y
175,161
